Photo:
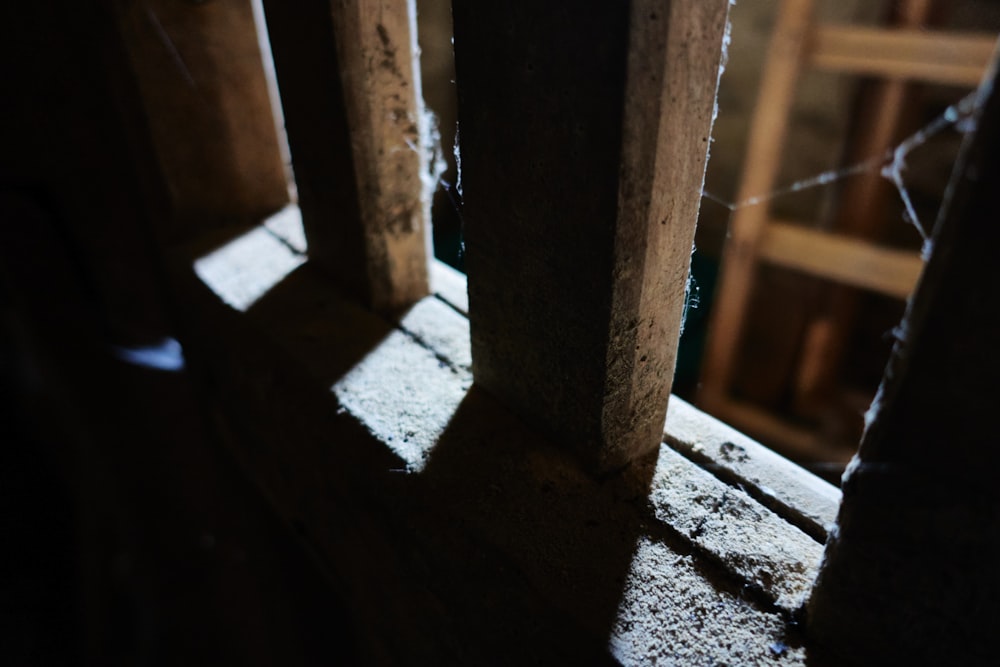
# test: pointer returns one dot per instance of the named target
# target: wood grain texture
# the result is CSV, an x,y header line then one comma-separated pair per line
x,y
203,89
584,133
910,571
789,490
350,91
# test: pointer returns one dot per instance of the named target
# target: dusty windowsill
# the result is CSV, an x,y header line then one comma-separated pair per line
x,y
461,523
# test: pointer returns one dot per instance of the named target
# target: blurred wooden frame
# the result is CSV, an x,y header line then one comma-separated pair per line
x,y
899,54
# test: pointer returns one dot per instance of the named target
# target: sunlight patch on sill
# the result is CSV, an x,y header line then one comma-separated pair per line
x,y
404,395
249,266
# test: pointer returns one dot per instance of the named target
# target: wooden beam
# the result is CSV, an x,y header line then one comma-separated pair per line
x,y
350,90
910,572
584,132
919,55
760,170
841,258
204,92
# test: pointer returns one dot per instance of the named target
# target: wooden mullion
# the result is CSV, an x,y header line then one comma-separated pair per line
x,y
584,133
350,91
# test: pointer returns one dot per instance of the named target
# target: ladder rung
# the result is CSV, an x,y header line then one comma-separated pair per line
x,y
930,56
842,259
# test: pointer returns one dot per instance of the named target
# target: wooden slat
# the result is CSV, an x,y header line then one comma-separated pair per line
x,y
841,258
910,574
581,191
748,540
933,57
203,88
760,169
350,90
785,487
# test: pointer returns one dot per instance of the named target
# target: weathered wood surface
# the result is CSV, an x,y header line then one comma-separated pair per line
x,y
350,91
450,526
201,80
584,131
797,495
910,573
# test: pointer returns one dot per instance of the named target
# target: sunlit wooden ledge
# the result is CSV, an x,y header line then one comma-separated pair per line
x,y
455,531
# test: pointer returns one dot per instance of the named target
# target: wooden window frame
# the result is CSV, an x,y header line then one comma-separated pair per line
x,y
359,420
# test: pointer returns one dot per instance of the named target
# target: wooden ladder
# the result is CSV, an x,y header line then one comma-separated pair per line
x,y
896,55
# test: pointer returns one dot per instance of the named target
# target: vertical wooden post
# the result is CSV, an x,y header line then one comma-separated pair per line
x,y
350,90
584,131
203,89
910,573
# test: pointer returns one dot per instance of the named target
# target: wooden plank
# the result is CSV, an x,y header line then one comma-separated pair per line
x,y
750,541
205,96
584,133
841,258
760,169
790,491
918,55
910,571
350,90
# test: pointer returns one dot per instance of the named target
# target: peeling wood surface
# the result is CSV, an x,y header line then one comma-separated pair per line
x,y
584,134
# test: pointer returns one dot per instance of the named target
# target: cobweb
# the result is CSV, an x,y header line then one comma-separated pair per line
x,y
891,164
